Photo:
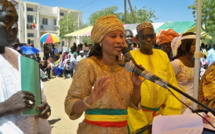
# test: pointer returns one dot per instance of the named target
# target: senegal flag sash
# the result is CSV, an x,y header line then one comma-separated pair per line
x,y
106,117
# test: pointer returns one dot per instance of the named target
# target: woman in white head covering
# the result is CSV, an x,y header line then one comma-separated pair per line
x,y
183,48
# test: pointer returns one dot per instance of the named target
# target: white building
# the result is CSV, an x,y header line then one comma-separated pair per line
x,y
47,19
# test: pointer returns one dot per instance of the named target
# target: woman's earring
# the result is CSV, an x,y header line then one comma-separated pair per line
x,y
100,44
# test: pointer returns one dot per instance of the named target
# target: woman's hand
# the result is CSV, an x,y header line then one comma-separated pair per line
x,y
136,80
136,89
19,102
46,110
99,89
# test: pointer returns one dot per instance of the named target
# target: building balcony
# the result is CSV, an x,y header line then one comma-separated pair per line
x,y
48,27
29,26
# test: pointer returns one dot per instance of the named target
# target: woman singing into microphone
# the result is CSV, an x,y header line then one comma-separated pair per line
x,y
101,88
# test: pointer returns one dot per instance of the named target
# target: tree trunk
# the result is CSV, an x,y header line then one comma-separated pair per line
x,y
132,11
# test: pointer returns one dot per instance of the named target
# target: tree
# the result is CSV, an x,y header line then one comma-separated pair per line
x,y
141,15
208,16
94,16
68,24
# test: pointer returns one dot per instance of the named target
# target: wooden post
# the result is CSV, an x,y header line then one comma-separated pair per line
x,y
132,11
125,11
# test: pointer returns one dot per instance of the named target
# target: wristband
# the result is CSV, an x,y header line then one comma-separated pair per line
x,y
85,103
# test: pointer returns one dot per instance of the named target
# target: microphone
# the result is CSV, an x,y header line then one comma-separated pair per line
x,y
126,52
145,74
122,64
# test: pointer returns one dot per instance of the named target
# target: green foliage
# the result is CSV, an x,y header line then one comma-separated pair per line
x,y
141,15
68,24
94,16
85,25
208,16
87,40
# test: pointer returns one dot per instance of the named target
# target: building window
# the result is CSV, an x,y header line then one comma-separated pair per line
x,y
30,34
30,18
45,21
61,14
30,9
29,26
55,21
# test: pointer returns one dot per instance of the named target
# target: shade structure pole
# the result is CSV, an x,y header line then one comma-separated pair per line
x,y
125,11
197,60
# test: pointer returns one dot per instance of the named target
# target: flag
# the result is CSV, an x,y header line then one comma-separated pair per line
x,y
34,23
14,2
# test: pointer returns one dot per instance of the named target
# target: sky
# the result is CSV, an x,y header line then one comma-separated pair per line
x,y
165,10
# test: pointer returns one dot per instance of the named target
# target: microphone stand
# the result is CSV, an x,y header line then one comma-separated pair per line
x,y
165,85
189,97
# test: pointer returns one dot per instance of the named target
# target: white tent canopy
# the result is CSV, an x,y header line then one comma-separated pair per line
x,y
87,31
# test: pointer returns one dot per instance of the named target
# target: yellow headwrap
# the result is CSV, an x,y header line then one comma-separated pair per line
x,y
144,25
105,25
165,36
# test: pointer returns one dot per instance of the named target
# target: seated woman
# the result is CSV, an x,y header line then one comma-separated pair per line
x,y
52,65
46,67
60,66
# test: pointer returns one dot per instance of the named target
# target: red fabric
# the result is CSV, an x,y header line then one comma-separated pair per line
x,y
107,124
135,39
154,112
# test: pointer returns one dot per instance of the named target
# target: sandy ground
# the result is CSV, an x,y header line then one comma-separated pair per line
x,y
55,91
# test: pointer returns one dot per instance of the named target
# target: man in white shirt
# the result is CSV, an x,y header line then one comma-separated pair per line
x,y
68,70
12,99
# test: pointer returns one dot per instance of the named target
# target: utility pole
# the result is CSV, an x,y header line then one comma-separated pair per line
x,y
125,11
132,11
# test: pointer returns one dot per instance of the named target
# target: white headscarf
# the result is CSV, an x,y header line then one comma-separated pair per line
x,y
176,42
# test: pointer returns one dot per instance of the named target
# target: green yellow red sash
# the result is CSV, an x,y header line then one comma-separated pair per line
x,y
106,117
154,110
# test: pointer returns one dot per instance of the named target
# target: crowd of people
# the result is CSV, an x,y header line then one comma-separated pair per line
x,y
53,62
112,99
60,63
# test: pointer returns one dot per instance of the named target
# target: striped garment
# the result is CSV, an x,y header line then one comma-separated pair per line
x,y
106,117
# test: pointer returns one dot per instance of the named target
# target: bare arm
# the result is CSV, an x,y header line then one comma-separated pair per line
x,y
96,93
